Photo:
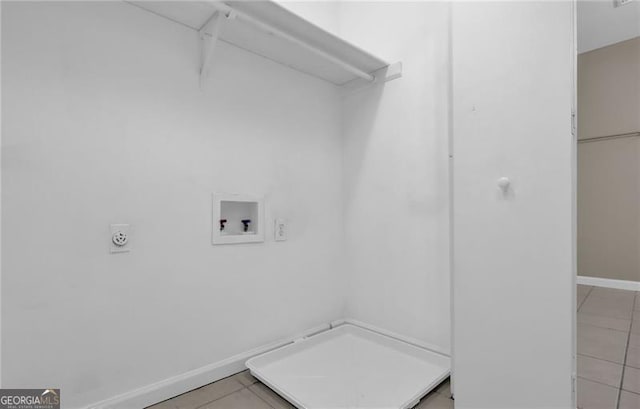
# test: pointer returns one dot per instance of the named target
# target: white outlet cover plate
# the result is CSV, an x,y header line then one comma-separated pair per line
x,y
124,228
280,230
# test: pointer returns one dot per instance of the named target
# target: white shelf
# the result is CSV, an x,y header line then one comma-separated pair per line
x,y
269,30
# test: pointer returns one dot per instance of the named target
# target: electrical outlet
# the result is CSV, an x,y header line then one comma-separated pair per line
x,y
120,239
280,230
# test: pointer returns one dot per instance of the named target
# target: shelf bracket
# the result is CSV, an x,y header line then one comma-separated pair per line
x,y
209,36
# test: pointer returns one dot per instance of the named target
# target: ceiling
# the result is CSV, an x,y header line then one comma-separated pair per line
x,y
601,24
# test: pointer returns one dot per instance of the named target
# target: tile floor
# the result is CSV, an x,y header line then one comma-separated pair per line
x,y
608,348
243,391
608,364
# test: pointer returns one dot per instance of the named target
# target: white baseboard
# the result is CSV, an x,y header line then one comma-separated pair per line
x,y
408,340
609,283
168,388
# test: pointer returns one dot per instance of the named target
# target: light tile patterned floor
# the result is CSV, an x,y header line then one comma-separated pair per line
x,y
608,348
608,364
243,391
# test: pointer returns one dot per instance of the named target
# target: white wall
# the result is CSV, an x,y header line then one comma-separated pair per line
x,y
323,13
396,179
608,213
609,90
609,170
601,24
514,270
104,122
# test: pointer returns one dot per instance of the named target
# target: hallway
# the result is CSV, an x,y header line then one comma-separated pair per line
x,y
608,348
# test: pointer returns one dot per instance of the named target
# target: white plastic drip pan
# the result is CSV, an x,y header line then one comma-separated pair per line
x,y
351,367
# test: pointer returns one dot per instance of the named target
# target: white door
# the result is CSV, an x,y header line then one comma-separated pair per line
x,y
513,211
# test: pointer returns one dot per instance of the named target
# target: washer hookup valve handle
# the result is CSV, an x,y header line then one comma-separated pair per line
x,y
246,222
222,222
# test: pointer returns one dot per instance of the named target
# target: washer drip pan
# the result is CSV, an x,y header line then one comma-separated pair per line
x,y
351,367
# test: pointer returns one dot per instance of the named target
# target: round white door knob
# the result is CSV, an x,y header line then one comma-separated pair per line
x,y
503,183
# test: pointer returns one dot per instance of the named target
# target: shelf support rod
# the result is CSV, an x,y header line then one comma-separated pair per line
x,y
225,9
209,35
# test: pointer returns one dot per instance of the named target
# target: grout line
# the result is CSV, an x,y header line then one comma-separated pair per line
x,y
264,400
208,402
609,329
260,397
626,352
600,383
221,397
601,359
584,299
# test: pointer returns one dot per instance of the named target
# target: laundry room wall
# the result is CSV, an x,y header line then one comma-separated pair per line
x,y
104,122
396,173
